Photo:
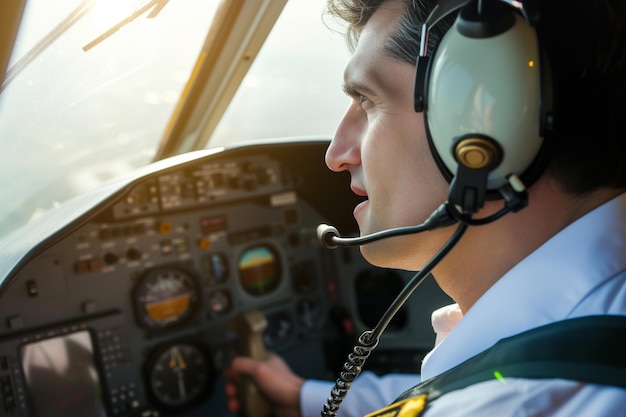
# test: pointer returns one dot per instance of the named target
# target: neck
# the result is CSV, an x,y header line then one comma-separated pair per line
x,y
487,252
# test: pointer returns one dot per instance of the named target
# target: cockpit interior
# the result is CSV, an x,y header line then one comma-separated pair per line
x,y
126,291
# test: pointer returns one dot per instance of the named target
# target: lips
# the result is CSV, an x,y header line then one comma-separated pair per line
x,y
358,191
363,204
359,208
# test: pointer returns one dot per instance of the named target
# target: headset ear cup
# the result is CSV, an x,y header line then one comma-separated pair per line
x,y
488,86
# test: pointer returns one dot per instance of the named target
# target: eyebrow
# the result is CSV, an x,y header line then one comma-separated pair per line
x,y
356,89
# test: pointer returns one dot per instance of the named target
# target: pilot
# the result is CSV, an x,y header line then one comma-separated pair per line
x,y
562,256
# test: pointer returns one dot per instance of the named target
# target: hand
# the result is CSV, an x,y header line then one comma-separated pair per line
x,y
273,378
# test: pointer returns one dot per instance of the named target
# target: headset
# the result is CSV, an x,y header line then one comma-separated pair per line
x,y
486,96
485,91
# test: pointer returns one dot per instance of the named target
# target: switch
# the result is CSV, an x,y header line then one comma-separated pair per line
x,y
31,288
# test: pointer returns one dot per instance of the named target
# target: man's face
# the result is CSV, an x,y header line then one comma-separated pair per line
x,y
382,142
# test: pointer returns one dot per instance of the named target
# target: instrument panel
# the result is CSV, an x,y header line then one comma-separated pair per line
x,y
120,302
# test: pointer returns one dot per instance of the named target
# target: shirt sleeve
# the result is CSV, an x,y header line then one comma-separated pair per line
x,y
368,393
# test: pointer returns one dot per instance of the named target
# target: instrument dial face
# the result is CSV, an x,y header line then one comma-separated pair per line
x,y
166,298
220,302
259,270
179,375
279,329
309,312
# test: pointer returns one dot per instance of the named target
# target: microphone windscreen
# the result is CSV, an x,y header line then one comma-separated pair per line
x,y
325,235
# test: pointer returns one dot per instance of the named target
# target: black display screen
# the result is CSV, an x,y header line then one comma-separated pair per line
x,y
62,378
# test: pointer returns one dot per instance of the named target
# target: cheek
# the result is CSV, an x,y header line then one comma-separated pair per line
x,y
402,176
402,151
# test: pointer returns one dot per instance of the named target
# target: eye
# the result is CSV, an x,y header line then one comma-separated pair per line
x,y
363,100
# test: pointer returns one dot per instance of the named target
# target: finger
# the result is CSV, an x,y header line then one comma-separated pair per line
x,y
232,405
243,365
230,389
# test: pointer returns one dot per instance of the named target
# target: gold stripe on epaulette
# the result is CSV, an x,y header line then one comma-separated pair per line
x,y
411,407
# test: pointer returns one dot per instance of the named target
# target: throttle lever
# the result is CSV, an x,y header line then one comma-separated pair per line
x,y
249,327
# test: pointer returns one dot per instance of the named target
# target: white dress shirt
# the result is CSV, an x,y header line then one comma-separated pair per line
x,y
580,271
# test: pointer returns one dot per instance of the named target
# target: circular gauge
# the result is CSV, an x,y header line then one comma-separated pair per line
x,y
166,298
309,312
179,375
279,329
259,270
220,301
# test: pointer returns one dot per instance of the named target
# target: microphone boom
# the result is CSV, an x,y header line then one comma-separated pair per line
x,y
329,236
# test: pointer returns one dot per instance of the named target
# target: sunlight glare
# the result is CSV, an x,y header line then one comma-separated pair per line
x,y
107,13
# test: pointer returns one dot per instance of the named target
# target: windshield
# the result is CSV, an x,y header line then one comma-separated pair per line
x,y
91,86
294,86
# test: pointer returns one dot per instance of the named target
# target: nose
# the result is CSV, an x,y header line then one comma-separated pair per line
x,y
344,150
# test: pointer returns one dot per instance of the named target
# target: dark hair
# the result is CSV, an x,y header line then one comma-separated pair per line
x,y
404,44
585,42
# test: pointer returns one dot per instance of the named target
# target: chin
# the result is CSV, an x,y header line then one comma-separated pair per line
x,y
409,253
393,253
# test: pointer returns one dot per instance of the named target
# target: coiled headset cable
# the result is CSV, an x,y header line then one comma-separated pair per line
x,y
369,339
